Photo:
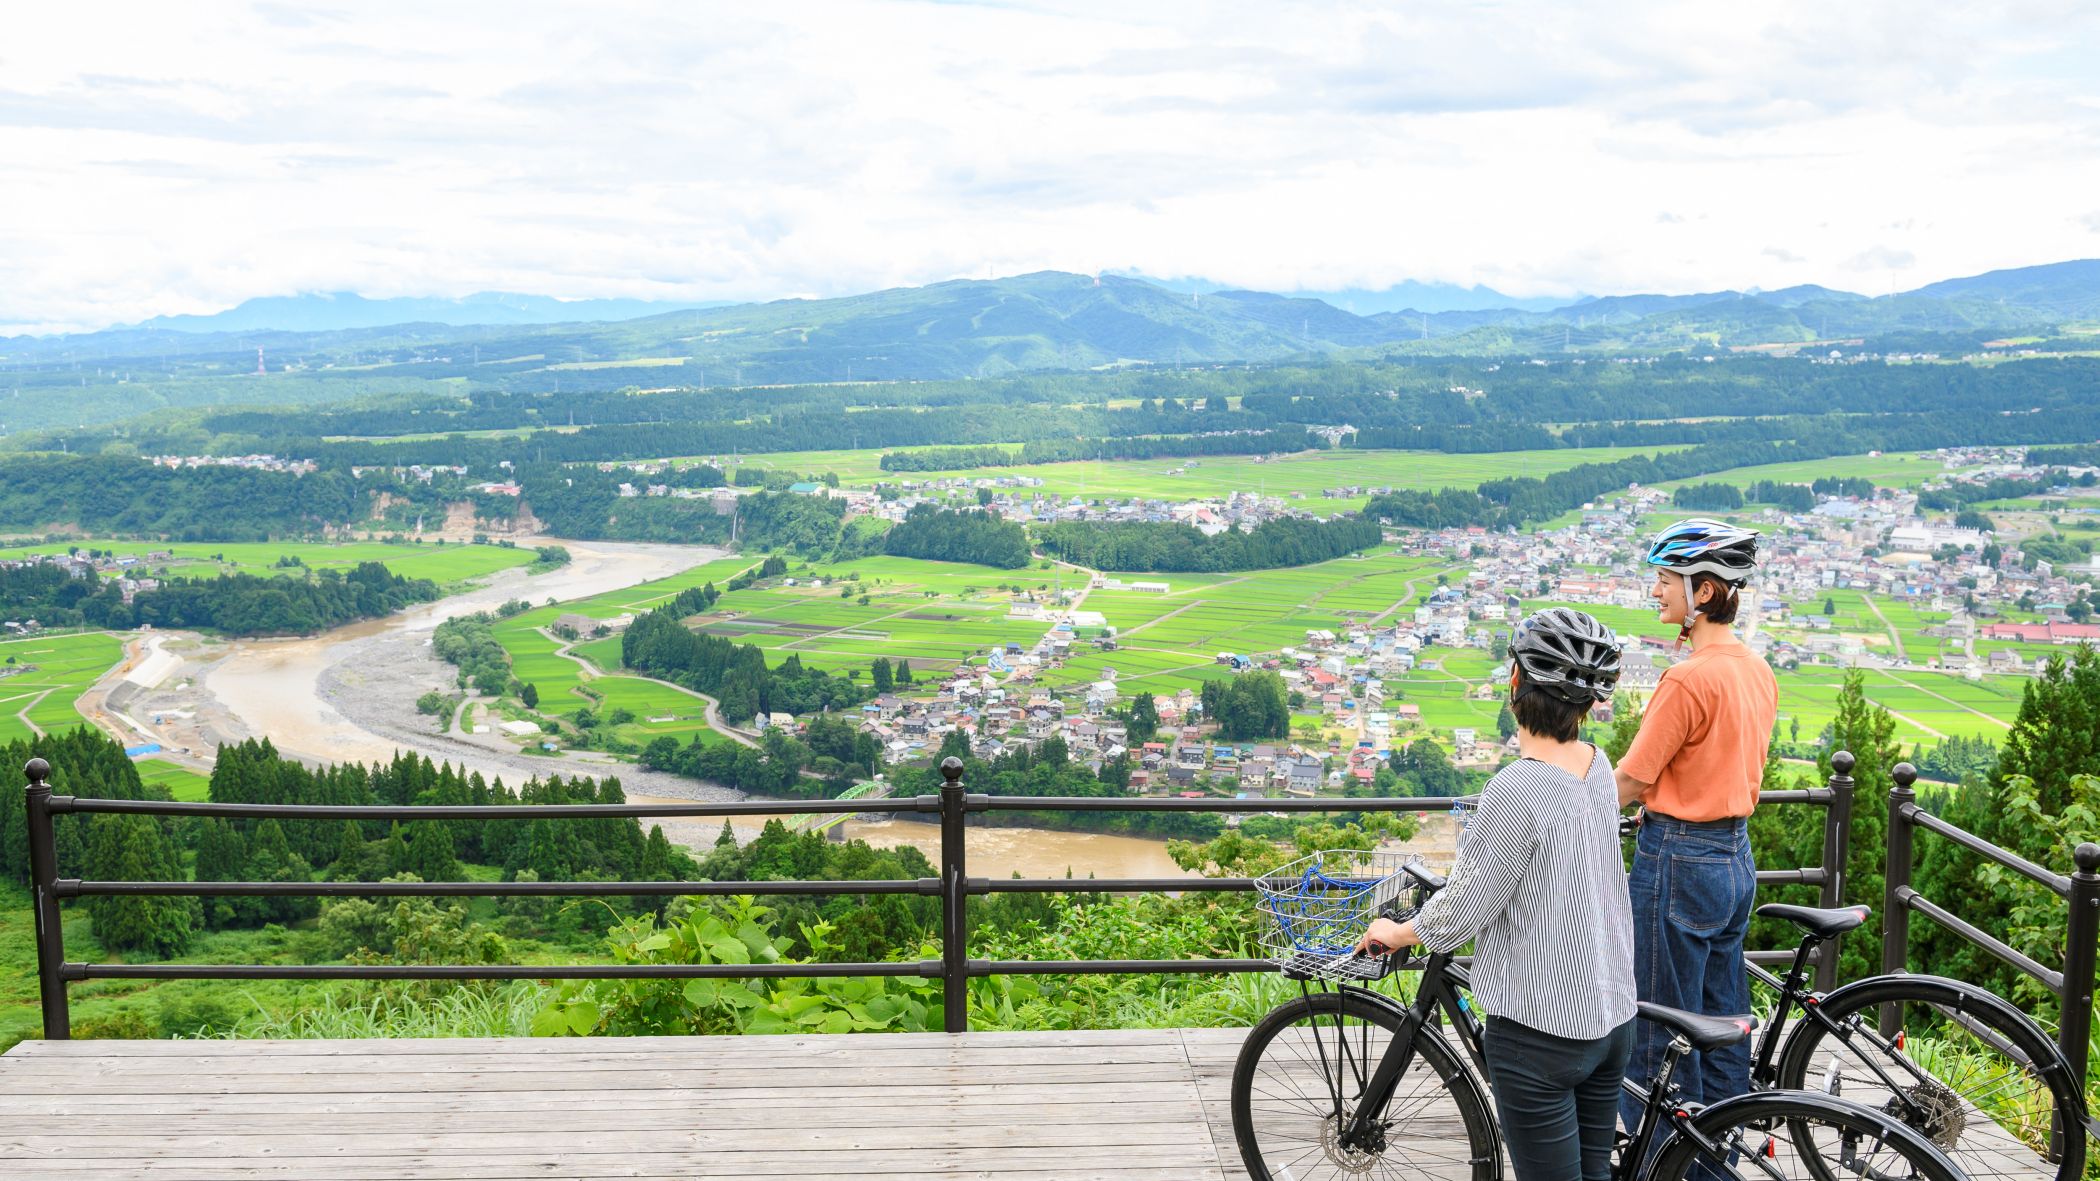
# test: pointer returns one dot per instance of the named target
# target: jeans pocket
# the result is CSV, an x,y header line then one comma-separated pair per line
x,y
1703,892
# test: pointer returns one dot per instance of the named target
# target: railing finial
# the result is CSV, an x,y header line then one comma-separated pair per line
x,y
2087,855
1842,762
951,768
1904,774
38,771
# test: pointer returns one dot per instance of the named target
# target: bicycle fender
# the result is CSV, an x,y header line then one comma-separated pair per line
x,y
1768,1105
1958,996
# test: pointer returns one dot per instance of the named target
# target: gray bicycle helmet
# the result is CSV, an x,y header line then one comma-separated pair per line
x,y
1567,654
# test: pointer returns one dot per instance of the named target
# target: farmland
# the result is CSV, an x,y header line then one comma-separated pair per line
x,y
538,659
1303,474
443,564
55,671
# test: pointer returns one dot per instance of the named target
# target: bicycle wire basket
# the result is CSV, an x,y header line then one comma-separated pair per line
x,y
1317,907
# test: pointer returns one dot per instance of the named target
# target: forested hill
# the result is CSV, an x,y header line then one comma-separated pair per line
x,y
1044,322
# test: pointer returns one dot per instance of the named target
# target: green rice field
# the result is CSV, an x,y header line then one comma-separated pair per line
x,y
181,782
443,564
1303,475
537,659
1895,469
56,670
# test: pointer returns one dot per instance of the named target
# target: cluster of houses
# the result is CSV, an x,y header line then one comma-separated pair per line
x,y
1179,760
260,463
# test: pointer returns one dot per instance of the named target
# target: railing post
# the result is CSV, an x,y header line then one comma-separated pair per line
x,y
955,899
1837,851
1895,887
43,881
2075,1027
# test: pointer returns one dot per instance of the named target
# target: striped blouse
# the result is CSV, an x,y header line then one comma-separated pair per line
x,y
1540,889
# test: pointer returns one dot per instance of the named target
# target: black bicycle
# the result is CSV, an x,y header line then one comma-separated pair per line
x,y
1963,1066
1346,1082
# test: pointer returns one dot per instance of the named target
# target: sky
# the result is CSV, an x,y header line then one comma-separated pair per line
x,y
178,158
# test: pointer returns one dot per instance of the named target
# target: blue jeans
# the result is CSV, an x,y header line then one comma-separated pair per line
x,y
1556,1098
1693,886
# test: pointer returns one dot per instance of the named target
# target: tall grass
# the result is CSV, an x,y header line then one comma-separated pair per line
x,y
369,1011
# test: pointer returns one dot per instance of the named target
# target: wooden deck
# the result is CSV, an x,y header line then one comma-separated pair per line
x,y
1006,1106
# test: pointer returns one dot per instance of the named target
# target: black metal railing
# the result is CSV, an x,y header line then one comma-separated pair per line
x,y
2072,985
952,805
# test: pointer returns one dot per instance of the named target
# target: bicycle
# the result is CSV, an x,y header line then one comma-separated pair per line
x,y
1984,1082
1327,1085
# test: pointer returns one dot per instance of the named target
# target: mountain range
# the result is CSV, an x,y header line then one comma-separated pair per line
x,y
1044,321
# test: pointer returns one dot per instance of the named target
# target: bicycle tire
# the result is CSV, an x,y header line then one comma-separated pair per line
x,y
2010,1093
1284,1116
1783,1135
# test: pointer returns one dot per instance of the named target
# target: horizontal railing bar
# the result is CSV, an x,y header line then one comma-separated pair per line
x,y
1814,876
930,970
1819,796
980,803
1921,818
1911,899
1103,885
68,888
1113,967
493,811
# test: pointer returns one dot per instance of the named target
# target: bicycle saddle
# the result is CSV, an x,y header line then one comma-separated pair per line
x,y
1703,1032
1823,924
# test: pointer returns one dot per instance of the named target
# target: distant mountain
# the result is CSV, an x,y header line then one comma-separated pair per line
x,y
1793,297
1626,308
330,311
1045,321
2070,290
1430,298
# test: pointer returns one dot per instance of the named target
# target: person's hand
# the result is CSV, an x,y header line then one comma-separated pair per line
x,y
1384,937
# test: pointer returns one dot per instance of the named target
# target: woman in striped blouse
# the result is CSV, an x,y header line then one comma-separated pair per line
x,y
1540,890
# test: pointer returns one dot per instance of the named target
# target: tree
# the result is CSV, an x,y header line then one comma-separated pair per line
x,y
530,695
1144,718
903,666
1506,723
136,849
1427,770
1253,705
884,680
1866,730
1830,608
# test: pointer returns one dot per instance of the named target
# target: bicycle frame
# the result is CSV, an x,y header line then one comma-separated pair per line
x,y
1439,997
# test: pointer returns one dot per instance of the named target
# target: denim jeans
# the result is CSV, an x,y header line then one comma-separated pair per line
x,y
1693,886
1556,1098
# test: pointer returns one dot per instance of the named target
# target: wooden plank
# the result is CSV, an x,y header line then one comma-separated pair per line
x,y
1068,1164
848,1058
582,1116
1013,1107
974,1096
785,1080
698,1043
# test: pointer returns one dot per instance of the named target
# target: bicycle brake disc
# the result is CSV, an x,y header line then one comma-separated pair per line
x,y
1353,1162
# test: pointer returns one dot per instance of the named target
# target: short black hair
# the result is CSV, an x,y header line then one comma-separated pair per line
x,y
1545,715
1722,607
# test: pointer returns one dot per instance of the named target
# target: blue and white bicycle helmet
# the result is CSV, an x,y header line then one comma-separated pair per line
x,y
1701,546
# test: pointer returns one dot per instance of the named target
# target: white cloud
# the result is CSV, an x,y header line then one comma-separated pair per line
x,y
174,158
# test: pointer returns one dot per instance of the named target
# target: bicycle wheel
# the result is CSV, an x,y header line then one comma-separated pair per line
x,y
1975,1075
1783,1136
1303,1070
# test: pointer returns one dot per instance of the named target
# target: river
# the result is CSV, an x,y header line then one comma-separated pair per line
x,y
347,695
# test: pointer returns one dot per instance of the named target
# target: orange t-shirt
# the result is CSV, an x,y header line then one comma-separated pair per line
x,y
1703,738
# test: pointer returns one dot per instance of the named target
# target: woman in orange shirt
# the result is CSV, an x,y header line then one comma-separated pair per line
x,y
1695,767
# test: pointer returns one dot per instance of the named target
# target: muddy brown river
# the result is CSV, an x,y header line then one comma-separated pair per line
x,y
334,698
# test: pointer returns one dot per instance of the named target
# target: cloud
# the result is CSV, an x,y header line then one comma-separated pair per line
x,y
161,163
